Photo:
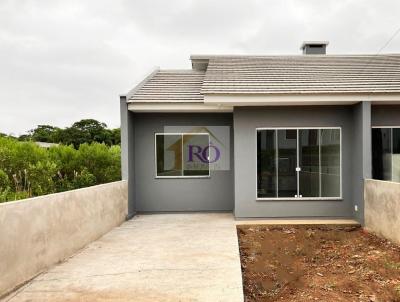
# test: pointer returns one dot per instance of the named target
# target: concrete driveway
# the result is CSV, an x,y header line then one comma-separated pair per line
x,y
163,257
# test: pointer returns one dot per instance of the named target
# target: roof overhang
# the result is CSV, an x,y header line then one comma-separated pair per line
x,y
178,107
298,99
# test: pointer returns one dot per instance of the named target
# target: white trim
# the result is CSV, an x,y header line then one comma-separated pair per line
x,y
298,185
283,99
177,107
295,128
178,176
296,198
385,127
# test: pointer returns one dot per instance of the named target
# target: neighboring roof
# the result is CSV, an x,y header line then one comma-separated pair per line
x,y
302,74
170,86
45,144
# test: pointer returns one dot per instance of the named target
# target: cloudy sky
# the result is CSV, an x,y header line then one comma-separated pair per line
x,y
61,61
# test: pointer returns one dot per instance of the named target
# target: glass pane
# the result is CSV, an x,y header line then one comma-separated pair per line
x,y
381,153
330,163
266,163
396,155
169,155
196,154
287,163
309,162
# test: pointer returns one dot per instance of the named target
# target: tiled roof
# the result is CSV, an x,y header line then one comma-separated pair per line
x,y
170,86
302,74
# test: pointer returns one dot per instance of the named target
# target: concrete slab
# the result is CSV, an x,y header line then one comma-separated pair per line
x,y
296,221
162,257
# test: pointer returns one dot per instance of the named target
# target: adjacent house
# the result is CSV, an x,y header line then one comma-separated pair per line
x,y
263,136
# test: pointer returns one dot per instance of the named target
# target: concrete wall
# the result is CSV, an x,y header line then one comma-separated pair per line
x,y
185,194
247,119
382,208
39,232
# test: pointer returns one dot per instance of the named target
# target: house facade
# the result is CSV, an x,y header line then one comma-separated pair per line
x,y
263,136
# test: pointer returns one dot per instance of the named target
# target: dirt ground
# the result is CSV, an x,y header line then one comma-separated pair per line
x,y
317,263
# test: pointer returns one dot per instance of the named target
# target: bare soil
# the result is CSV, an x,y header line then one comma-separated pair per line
x,y
317,263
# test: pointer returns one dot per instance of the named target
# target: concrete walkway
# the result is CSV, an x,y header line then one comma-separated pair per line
x,y
163,257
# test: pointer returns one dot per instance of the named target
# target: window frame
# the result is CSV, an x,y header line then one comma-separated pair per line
x,y
391,146
299,198
178,176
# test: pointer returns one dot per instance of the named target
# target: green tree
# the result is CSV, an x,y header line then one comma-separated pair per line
x,y
46,133
83,131
116,136
87,131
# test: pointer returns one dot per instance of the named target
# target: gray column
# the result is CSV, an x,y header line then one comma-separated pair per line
x,y
362,166
124,137
127,153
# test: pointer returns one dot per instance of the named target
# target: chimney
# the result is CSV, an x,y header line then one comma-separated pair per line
x,y
314,47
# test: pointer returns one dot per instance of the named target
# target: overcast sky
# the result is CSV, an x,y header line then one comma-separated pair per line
x,y
61,61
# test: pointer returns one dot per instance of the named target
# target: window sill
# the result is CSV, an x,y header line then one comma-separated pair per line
x,y
302,199
183,177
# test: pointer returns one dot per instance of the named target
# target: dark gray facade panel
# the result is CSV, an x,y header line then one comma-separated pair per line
x,y
247,119
385,115
152,194
131,165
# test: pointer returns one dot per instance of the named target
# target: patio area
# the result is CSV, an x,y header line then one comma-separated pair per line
x,y
162,257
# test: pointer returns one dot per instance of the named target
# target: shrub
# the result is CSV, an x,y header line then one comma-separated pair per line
x,y
4,181
40,177
83,179
28,170
101,161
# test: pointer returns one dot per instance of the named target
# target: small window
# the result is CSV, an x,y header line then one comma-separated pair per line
x,y
182,155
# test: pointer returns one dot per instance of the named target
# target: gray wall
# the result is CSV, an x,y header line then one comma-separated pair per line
x,y
385,115
361,152
128,153
247,119
196,194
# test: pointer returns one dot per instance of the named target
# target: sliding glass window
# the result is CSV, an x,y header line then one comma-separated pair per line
x,y
386,154
299,163
182,155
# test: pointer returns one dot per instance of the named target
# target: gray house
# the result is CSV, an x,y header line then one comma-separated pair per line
x,y
263,136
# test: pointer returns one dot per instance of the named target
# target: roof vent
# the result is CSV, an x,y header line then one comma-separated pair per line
x,y
314,47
